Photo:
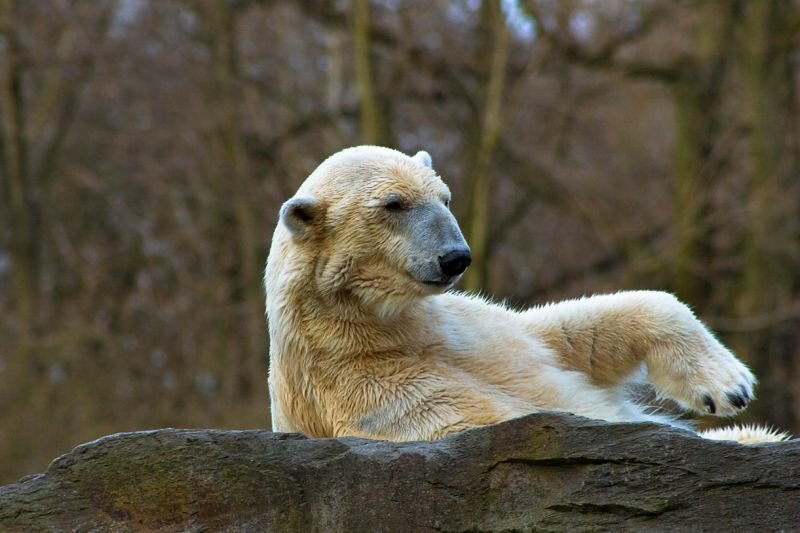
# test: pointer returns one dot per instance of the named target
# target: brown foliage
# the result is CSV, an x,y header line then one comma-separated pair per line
x,y
146,146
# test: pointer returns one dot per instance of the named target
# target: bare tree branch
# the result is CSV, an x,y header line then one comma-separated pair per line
x,y
606,55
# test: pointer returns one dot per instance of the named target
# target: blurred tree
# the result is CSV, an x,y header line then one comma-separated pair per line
x,y
494,35
694,79
371,120
35,123
772,218
21,195
236,233
696,85
147,145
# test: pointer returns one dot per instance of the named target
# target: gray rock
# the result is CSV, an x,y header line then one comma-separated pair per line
x,y
543,472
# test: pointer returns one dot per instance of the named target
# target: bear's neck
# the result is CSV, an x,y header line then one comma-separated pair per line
x,y
330,328
316,343
317,340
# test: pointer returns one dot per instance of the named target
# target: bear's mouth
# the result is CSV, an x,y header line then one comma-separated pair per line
x,y
436,283
444,283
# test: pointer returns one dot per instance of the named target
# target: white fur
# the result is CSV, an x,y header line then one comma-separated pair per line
x,y
746,434
360,347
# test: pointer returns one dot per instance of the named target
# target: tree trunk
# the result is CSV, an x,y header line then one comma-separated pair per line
x,y
696,95
233,183
691,252
372,122
770,264
479,199
31,118
20,193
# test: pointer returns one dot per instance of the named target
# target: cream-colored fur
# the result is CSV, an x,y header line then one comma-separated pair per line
x,y
359,347
746,434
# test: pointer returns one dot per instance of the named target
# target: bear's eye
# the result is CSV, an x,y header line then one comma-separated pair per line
x,y
447,203
394,205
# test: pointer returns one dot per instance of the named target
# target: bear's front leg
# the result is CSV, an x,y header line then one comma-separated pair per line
x,y
608,337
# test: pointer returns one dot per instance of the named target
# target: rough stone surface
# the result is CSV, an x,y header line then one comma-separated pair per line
x,y
543,472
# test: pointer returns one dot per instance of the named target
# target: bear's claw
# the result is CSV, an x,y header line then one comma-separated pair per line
x,y
709,402
739,399
704,376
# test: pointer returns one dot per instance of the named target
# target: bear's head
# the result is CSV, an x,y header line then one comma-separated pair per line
x,y
374,224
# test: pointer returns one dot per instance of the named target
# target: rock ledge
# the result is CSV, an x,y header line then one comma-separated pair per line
x,y
543,472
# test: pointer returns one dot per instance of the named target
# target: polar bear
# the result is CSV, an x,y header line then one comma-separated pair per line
x,y
367,340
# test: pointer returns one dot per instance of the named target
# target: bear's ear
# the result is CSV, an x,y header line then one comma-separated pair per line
x,y
301,214
423,158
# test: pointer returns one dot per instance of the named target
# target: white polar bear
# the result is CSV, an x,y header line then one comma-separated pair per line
x,y
366,340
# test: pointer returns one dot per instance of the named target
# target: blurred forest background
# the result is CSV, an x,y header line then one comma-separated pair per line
x,y
146,146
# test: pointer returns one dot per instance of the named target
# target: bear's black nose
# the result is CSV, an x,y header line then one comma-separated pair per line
x,y
455,262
